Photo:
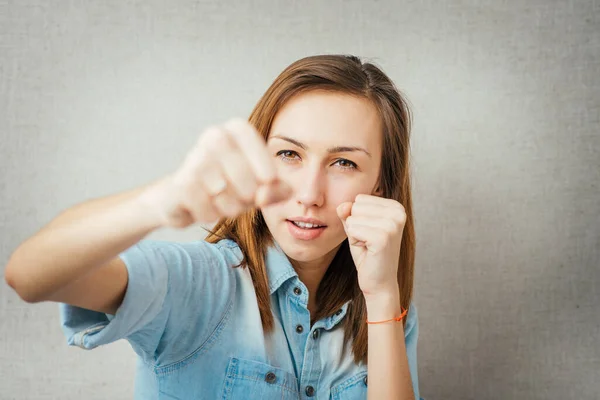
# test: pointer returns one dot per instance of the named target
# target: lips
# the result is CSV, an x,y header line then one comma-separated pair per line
x,y
304,233
308,220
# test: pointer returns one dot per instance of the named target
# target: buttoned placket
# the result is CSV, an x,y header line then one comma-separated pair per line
x,y
306,354
297,320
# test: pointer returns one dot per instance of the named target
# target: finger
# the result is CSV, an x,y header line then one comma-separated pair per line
x,y
344,210
368,209
377,211
228,204
355,242
374,238
273,193
253,144
213,180
383,224
236,169
201,165
366,198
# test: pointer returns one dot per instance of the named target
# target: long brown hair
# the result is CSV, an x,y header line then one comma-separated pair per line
x,y
347,75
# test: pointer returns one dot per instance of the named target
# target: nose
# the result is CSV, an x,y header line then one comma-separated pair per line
x,y
310,187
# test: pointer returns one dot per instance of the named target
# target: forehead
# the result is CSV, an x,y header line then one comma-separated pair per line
x,y
330,119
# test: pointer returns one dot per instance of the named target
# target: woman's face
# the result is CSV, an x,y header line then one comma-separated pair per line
x,y
327,147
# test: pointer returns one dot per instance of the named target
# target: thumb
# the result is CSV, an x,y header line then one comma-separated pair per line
x,y
344,210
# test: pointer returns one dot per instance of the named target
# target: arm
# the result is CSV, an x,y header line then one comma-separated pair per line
x,y
74,258
389,372
374,226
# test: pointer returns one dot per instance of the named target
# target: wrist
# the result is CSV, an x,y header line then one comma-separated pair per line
x,y
383,306
152,201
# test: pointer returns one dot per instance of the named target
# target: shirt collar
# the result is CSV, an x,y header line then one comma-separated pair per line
x,y
279,268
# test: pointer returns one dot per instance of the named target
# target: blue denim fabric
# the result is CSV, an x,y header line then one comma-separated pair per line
x,y
193,322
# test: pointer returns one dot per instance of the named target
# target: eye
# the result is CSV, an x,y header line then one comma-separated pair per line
x,y
346,164
287,155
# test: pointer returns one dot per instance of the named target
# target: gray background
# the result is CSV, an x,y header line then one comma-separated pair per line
x,y
99,97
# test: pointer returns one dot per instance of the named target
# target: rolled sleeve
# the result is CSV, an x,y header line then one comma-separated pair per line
x,y
144,297
175,295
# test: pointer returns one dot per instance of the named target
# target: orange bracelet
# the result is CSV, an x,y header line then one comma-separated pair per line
x,y
389,320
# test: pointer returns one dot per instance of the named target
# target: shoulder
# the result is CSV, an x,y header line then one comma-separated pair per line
x,y
194,253
185,267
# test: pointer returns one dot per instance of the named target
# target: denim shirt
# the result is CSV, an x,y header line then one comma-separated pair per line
x,y
194,323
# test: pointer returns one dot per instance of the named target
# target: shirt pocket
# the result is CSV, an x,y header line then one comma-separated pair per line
x,y
353,388
247,379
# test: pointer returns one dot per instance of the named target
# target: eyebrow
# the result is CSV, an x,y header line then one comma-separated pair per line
x,y
336,149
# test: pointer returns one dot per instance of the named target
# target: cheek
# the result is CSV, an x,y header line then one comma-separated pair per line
x,y
342,191
274,213
268,213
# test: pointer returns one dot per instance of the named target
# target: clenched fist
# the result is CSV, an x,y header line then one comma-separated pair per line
x,y
228,171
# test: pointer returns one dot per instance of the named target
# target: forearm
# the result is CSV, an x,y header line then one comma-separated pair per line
x,y
389,374
78,240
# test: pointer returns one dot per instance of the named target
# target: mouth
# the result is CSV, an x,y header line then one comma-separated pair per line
x,y
303,230
314,224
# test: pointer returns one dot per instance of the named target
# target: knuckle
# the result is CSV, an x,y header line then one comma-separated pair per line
x,y
355,209
269,174
242,176
400,217
237,126
361,197
218,142
391,226
384,227
236,122
209,133
248,194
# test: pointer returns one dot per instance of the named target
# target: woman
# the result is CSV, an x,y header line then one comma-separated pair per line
x,y
310,262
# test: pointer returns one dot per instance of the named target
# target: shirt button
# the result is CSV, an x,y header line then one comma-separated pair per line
x,y
297,291
299,328
316,334
365,381
310,391
270,377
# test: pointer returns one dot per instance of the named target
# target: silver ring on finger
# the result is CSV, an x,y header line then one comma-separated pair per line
x,y
222,187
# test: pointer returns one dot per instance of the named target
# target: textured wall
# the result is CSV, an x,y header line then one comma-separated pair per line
x,y
98,97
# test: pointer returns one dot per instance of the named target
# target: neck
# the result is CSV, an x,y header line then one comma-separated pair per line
x,y
311,273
